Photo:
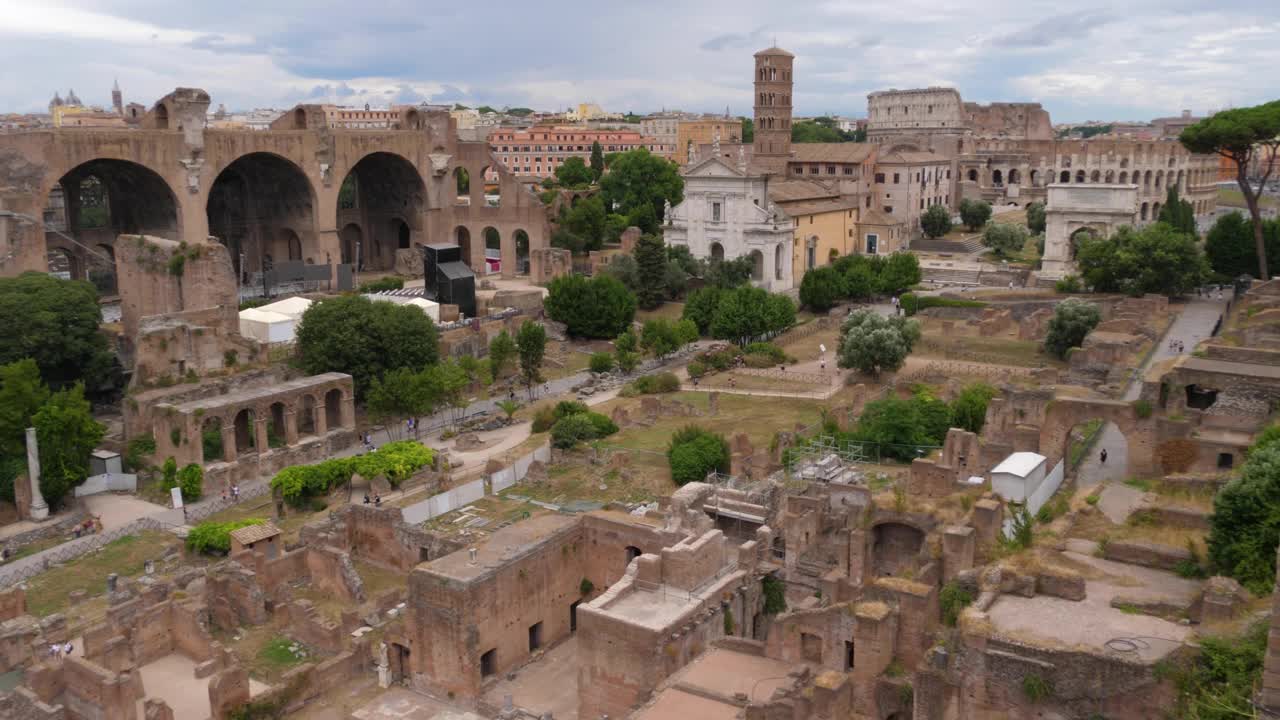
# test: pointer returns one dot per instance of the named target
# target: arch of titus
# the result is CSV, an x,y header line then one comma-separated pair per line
x,y
1099,209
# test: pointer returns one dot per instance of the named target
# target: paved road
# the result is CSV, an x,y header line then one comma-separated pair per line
x,y
1194,324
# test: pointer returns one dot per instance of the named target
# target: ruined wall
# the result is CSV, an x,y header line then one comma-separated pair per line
x,y
453,620
1015,121
607,538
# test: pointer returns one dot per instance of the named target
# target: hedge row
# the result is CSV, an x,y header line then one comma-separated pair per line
x,y
396,461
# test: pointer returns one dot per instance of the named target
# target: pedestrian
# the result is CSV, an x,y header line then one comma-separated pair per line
x,y
235,492
1103,456
377,501
66,649
53,651
823,364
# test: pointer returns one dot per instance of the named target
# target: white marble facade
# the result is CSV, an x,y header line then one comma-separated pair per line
x,y
726,213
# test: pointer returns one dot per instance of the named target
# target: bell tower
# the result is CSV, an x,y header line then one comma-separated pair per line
x,y
773,82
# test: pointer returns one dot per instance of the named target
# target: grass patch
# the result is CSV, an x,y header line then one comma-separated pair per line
x,y
990,350
1079,448
666,311
281,653
1142,484
1232,197
47,592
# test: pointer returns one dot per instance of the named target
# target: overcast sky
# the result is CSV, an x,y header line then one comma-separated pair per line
x,y
1089,59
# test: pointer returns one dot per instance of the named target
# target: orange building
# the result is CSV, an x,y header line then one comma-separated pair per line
x,y
539,150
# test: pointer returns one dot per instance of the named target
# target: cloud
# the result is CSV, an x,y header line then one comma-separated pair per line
x,y
1156,58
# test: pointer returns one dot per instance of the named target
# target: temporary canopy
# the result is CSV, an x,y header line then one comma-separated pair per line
x,y
431,309
265,326
291,306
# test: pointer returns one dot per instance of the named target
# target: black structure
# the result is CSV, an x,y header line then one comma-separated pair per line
x,y
447,279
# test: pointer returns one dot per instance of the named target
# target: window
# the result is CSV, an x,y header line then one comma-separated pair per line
x,y
799,170
896,178
848,170
715,212
535,636
888,209
813,170
831,169
489,663
868,201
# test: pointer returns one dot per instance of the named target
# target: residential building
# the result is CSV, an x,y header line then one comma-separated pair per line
x,y
908,182
705,131
361,118
663,127
539,150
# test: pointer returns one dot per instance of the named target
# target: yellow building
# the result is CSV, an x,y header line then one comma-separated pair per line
x,y
827,229
81,116
703,132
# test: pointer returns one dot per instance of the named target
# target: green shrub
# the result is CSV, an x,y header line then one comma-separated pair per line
x,y
697,369
954,598
318,504
1069,285
1036,688
1023,531
601,362
775,595
694,452
169,473
544,418
382,285
665,382
1219,682
191,481
138,451
1142,409
571,430
215,537
565,408
396,461
586,587
1244,528
912,303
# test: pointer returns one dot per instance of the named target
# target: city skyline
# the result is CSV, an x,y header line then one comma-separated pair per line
x,y
1093,62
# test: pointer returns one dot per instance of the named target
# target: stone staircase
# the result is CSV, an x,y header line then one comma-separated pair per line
x,y
967,246
949,276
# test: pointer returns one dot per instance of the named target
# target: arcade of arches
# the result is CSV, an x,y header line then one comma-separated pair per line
x,y
263,209
380,209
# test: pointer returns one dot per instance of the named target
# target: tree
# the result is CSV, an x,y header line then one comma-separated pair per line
x,y
969,408
600,307
401,393
872,343
639,184
899,273
1242,135
574,173
936,221
1154,259
502,350
597,160
860,281
1244,528
355,335
1072,320
651,256
659,337
694,452
902,427
729,273
686,332
67,434
22,394
746,313
191,482
748,131
587,220
1035,217
1229,246
57,323
1004,238
624,269
627,349
674,279
974,213
821,289
531,343
700,307
1177,214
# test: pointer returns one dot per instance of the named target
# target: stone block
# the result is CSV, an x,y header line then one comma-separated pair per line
x,y
1062,584
1147,554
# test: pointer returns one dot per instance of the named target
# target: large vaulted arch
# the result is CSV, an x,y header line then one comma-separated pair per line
x,y
258,207
384,197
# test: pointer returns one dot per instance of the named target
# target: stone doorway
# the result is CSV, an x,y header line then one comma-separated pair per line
x,y
398,660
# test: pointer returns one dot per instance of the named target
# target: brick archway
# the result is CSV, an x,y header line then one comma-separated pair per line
x,y
1063,414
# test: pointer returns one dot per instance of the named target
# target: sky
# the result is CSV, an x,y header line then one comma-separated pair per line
x,y
1083,60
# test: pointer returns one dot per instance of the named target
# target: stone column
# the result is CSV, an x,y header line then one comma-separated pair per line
x,y
290,427
260,432
39,508
320,417
229,452
348,410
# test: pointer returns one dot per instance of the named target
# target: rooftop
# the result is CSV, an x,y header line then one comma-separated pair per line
x,y
254,533
1020,464
792,190
717,673
831,152
1226,367
252,393
503,546
815,207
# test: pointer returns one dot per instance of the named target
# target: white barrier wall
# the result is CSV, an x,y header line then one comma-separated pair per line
x,y
1041,495
114,482
451,500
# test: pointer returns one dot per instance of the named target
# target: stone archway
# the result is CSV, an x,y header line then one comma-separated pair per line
x,y
384,194
252,200
895,548
1066,413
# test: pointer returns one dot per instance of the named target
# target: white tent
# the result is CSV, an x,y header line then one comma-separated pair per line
x,y
265,326
432,309
290,306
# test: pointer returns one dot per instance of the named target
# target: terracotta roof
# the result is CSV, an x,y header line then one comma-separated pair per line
x,y
253,533
812,207
912,157
876,217
793,190
831,152
775,50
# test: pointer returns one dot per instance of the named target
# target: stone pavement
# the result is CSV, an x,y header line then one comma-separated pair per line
x,y
1193,324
